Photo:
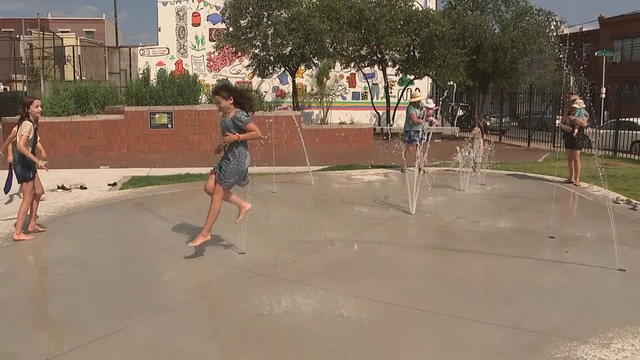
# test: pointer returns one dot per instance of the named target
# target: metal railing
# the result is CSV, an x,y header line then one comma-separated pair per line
x,y
530,117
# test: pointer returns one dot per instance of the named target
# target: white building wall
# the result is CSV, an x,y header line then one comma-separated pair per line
x,y
187,32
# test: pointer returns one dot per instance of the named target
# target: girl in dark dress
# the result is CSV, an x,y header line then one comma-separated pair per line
x,y
25,165
235,104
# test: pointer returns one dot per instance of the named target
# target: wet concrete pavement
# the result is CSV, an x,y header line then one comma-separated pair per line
x,y
337,270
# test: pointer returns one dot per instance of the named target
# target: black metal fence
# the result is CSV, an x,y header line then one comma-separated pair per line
x,y
530,117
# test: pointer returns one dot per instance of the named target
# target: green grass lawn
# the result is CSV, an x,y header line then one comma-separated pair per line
x,y
144,181
623,174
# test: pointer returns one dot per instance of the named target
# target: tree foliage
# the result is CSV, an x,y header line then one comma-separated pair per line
x,y
369,34
324,88
277,35
496,37
430,51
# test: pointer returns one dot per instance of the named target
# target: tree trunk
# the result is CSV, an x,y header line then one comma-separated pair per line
x,y
373,104
404,89
387,95
295,100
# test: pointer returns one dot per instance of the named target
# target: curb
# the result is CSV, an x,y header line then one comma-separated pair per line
x,y
611,194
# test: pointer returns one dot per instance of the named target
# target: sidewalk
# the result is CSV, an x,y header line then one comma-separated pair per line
x,y
97,191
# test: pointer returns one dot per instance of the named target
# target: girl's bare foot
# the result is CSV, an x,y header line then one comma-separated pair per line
x,y
199,240
242,212
37,229
22,237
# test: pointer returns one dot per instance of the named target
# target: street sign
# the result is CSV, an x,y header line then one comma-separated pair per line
x,y
607,53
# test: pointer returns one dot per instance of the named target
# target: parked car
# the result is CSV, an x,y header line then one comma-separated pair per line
x,y
604,137
540,121
492,124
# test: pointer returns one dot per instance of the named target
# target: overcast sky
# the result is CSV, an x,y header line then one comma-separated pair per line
x,y
138,18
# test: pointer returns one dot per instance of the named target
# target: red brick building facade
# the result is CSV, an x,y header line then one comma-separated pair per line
x,y
99,29
621,34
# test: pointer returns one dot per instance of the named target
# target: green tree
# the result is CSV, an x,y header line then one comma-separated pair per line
x,y
369,34
276,34
496,36
324,89
430,52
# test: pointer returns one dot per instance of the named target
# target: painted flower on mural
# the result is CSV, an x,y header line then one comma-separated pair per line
x,y
199,45
205,86
281,94
216,34
225,57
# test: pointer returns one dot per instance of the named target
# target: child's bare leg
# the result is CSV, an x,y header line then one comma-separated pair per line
x,y
243,206
210,185
35,203
27,198
212,215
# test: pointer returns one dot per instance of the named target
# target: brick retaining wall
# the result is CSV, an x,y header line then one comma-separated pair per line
x,y
126,140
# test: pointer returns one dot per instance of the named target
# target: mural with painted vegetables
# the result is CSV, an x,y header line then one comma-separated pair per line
x,y
188,31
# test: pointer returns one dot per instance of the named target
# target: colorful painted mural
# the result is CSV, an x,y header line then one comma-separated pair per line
x,y
189,30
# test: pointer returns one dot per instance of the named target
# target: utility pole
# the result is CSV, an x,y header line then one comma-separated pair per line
x,y
41,57
115,16
25,62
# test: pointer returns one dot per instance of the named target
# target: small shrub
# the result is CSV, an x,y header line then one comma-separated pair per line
x,y
167,90
261,103
81,98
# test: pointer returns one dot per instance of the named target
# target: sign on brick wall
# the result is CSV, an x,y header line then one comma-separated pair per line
x,y
161,120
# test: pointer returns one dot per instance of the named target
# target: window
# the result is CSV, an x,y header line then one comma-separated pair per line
x,y
64,31
90,33
629,89
8,32
586,53
626,50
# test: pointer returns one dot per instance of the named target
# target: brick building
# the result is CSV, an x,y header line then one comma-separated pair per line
x,y
99,29
37,52
621,34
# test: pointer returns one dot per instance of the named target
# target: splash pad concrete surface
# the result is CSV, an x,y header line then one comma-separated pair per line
x,y
334,270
